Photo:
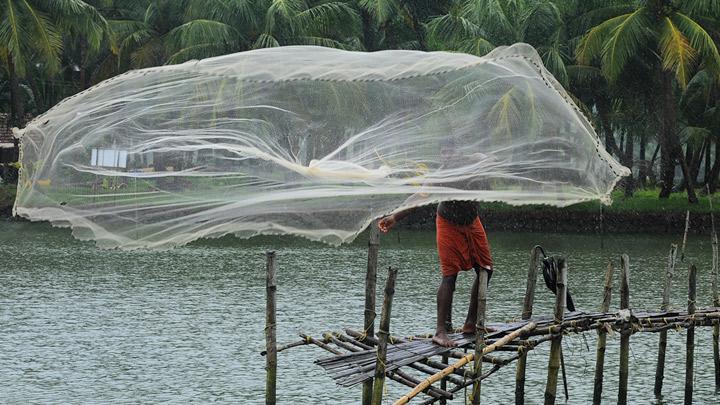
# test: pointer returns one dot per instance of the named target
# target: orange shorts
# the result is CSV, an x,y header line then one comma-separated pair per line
x,y
462,247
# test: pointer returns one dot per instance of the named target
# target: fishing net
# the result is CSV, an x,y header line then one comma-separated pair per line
x,y
305,140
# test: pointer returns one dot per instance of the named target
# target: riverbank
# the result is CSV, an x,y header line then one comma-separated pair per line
x,y
7,199
643,212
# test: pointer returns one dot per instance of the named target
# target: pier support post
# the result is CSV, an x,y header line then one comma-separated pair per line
x,y
662,343
715,299
270,339
383,335
690,343
526,314
370,291
602,336
479,332
626,330
556,345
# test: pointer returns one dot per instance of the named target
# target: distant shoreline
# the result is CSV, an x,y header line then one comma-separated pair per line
x,y
552,220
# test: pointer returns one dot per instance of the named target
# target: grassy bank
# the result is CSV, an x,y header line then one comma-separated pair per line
x,y
7,195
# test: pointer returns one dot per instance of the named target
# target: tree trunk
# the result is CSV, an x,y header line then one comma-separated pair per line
x,y
692,198
368,33
668,135
84,82
416,25
17,111
629,151
715,171
643,168
610,143
706,174
697,158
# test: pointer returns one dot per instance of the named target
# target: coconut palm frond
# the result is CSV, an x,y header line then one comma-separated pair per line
x,y
265,40
202,32
325,17
591,44
381,10
709,8
452,27
46,36
694,135
675,52
700,40
478,46
624,41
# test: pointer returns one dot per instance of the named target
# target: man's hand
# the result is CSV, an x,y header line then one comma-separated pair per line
x,y
386,223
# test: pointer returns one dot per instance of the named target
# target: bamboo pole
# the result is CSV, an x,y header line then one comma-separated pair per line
x,y
443,382
716,295
526,314
690,343
602,336
662,343
626,330
479,332
383,334
462,362
370,290
556,343
685,234
270,338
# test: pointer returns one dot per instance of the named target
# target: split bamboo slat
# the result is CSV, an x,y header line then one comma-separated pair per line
x,y
662,343
690,343
465,360
602,337
625,331
526,314
383,334
370,288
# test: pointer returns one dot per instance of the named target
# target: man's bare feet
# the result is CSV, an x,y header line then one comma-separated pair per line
x,y
441,338
469,329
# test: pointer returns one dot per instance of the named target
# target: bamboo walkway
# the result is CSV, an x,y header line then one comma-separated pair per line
x,y
439,373
413,359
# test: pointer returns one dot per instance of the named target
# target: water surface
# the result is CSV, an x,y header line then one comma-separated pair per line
x,y
83,325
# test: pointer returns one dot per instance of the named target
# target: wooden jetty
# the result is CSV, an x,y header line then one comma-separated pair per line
x,y
435,374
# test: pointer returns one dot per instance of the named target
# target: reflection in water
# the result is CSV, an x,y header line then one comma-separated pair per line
x,y
79,324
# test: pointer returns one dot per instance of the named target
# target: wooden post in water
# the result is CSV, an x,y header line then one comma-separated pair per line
x,y
690,343
370,290
662,344
626,329
556,345
602,336
270,340
383,335
716,296
480,332
526,314
687,228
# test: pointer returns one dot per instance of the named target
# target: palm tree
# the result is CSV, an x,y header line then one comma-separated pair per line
x,y
672,38
170,31
31,33
334,24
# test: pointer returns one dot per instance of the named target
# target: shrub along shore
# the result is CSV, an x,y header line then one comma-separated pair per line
x,y
643,212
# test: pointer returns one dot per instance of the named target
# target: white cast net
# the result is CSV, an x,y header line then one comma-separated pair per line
x,y
305,140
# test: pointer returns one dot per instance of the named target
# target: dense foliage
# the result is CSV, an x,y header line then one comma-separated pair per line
x,y
645,71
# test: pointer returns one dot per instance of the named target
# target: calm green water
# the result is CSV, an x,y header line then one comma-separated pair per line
x,y
83,325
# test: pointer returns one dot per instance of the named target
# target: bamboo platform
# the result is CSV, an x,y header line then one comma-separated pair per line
x,y
354,356
433,373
